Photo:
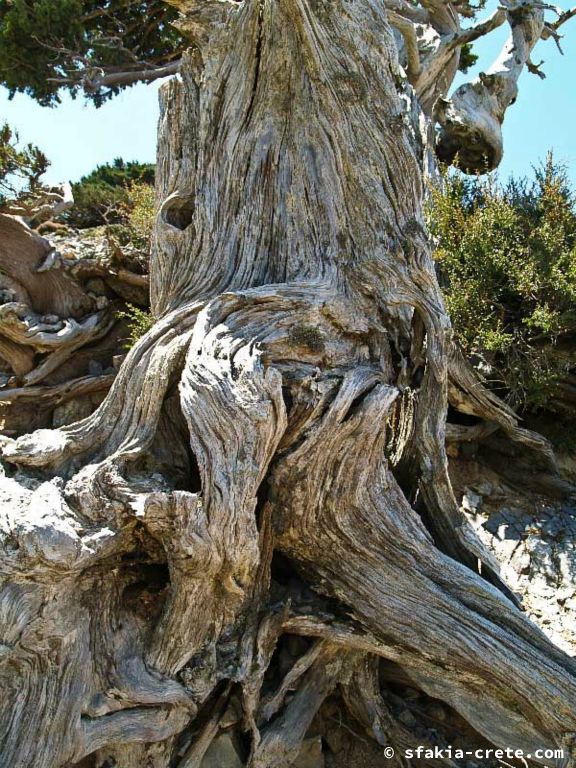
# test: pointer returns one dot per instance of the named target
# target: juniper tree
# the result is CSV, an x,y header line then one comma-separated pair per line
x,y
98,48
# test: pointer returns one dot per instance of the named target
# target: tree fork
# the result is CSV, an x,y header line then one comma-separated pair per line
x,y
292,398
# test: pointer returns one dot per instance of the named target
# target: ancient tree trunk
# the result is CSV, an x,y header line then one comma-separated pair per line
x,y
267,477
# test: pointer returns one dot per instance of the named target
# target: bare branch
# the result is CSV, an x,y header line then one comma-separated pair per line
x,y
551,30
408,32
272,705
55,394
440,66
140,724
534,69
94,80
494,21
564,17
196,751
471,120
412,12
282,739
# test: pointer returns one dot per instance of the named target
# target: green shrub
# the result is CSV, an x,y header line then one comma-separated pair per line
x,y
467,58
139,322
506,255
101,197
138,212
20,167
129,239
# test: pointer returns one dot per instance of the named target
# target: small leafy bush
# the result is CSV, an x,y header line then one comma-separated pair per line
x,y
129,239
139,322
138,212
506,255
102,196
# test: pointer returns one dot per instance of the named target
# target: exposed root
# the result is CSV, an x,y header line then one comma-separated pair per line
x,y
112,429
364,700
403,575
57,394
281,740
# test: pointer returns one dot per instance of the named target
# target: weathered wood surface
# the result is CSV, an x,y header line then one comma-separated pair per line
x,y
62,325
291,400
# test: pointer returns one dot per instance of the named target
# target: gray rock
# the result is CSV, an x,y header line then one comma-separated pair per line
x,y
535,544
521,561
469,450
97,286
437,711
506,548
471,501
67,413
483,487
95,368
335,739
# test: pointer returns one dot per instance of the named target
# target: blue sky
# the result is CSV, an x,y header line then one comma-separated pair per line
x,y
76,136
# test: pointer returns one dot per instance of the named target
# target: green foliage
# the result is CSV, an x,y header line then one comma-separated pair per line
x,y
507,261
467,58
129,240
20,167
139,322
103,196
46,45
138,212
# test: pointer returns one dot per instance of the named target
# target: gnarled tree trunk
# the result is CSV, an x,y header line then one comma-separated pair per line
x,y
269,464
61,307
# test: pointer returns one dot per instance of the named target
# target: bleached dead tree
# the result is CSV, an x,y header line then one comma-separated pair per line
x,y
270,462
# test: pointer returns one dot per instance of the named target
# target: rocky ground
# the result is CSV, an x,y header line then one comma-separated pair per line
x,y
118,266
534,539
